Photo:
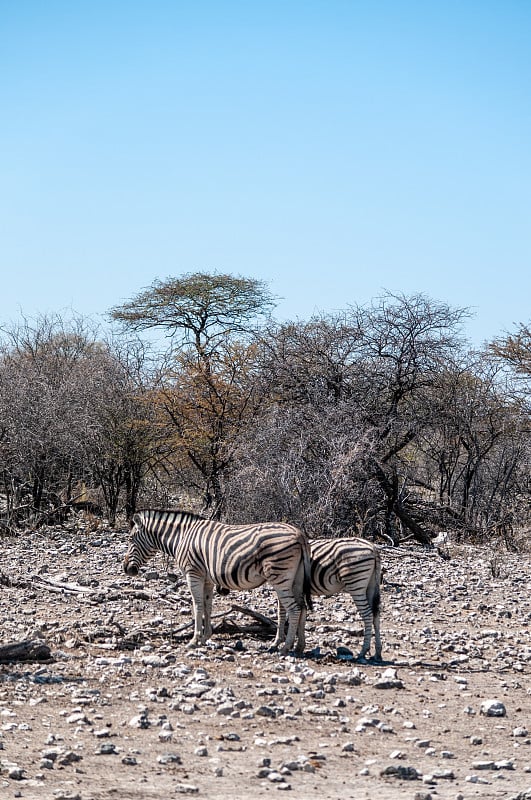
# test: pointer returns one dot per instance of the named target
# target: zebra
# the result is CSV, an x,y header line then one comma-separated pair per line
x,y
231,556
348,565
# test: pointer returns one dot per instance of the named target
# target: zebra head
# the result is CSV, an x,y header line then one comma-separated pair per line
x,y
141,548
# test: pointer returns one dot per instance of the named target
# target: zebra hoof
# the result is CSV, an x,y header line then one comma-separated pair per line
x,y
286,651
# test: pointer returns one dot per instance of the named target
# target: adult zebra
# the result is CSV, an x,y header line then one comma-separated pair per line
x,y
348,565
231,556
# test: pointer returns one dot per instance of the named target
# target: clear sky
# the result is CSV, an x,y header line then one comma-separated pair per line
x,y
335,149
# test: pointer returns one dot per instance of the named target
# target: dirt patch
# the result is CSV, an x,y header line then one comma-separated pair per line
x,y
125,710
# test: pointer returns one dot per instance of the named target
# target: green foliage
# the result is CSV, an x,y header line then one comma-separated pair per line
x,y
200,308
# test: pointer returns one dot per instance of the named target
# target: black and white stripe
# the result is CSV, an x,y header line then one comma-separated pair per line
x,y
353,566
231,556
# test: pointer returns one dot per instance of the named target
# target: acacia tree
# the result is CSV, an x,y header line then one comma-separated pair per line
x,y
363,382
206,386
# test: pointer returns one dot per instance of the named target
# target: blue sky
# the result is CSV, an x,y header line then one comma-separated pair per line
x,y
334,149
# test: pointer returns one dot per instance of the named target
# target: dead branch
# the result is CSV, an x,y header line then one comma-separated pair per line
x,y
28,650
269,623
57,586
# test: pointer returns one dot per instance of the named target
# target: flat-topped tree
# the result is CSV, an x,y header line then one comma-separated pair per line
x,y
207,389
200,310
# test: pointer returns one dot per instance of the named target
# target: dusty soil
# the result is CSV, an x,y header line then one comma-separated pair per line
x,y
124,710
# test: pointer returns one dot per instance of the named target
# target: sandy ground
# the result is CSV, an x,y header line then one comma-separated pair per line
x,y
125,710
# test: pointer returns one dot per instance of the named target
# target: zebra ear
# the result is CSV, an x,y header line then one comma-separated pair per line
x,y
134,521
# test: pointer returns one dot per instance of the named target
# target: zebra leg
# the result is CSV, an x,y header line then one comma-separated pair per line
x,y
281,629
286,607
294,612
365,613
281,625
197,590
298,592
293,603
301,637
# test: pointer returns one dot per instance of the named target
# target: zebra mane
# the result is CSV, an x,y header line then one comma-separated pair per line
x,y
183,512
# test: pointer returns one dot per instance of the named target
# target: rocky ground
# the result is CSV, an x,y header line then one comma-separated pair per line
x,y
124,710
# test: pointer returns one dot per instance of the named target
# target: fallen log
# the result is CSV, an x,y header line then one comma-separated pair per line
x,y
28,650
261,618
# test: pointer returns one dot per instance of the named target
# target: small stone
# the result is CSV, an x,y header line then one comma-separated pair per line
x,y
275,777
186,788
388,680
403,773
77,719
265,711
51,753
397,754
447,754
201,751
140,721
169,758
107,749
504,764
493,708
263,772
69,758
15,773
444,775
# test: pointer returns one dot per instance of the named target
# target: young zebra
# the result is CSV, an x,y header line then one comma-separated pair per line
x,y
353,566
232,556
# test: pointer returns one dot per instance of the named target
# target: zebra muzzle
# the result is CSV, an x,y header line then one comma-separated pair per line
x,y
130,569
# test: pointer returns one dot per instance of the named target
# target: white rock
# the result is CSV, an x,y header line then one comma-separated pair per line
x,y
493,708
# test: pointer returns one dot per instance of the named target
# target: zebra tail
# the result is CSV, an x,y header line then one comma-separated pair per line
x,y
307,583
376,598
376,602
